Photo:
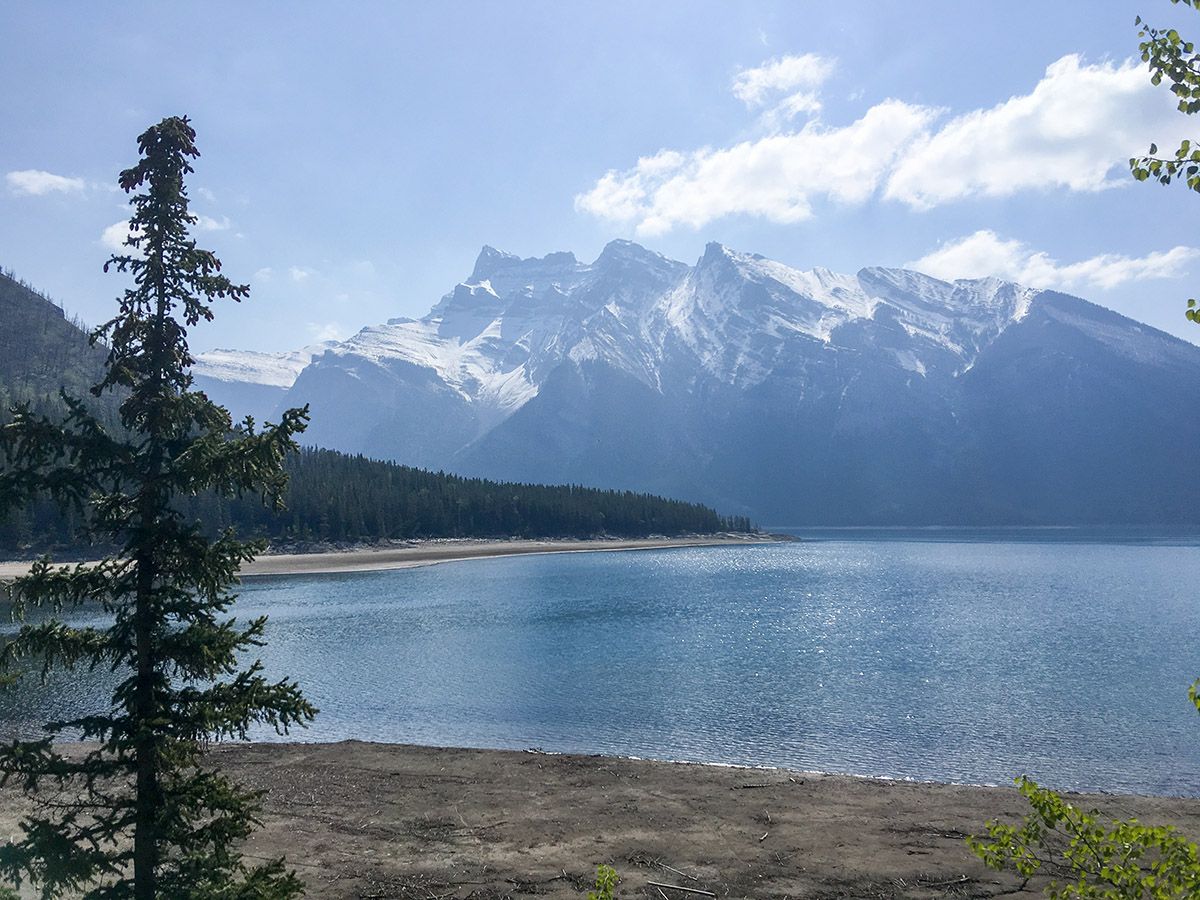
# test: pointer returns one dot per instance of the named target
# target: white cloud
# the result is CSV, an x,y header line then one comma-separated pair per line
x,y
208,223
299,274
1077,125
777,177
786,86
205,194
35,182
263,275
778,117
1075,131
784,75
985,253
113,237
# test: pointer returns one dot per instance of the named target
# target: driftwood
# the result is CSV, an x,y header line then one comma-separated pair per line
x,y
679,887
676,871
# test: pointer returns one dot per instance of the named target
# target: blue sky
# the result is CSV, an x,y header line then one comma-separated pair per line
x,y
356,156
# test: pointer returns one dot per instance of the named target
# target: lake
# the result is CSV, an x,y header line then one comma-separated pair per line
x,y
952,655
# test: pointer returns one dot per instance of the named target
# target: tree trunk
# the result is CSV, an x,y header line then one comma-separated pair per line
x,y
145,832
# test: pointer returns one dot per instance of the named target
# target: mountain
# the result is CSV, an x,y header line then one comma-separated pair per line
x,y
331,497
884,397
252,384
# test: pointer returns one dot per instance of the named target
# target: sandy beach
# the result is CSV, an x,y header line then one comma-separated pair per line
x,y
360,820
424,553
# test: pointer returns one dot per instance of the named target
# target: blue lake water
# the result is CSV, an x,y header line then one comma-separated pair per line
x,y
953,655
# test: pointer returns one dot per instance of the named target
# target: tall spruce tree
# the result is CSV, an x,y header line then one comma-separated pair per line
x,y
143,816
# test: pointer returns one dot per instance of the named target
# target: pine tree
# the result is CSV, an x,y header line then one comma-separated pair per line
x,y
146,818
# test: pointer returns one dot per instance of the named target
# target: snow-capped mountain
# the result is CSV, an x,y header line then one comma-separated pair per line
x,y
250,382
251,366
796,396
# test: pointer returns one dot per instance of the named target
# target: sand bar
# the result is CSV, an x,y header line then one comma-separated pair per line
x,y
383,820
424,553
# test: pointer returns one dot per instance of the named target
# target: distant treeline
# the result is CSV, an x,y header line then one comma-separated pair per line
x,y
335,497
341,499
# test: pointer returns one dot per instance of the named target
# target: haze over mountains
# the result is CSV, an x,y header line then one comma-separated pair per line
x,y
884,397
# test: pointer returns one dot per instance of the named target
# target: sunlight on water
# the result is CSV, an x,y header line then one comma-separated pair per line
x,y
948,659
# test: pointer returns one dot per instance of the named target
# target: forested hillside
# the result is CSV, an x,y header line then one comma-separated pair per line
x,y
336,498
344,498
41,351
332,497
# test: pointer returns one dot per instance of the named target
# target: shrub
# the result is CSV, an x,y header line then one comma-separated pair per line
x,y
1124,860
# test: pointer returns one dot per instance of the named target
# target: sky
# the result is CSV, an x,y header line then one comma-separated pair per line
x,y
356,157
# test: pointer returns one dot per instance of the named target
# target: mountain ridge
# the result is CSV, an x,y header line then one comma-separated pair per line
x,y
783,393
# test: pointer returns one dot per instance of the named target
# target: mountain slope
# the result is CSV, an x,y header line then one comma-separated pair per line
x,y
40,350
252,383
884,397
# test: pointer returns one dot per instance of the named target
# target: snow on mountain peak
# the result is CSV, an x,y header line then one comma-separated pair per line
x,y
255,367
738,312
622,253
1010,299
623,246
964,298
961,316
487,261
494,337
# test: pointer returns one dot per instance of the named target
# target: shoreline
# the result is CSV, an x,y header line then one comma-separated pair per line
x,y
291,742
359,819
440,550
